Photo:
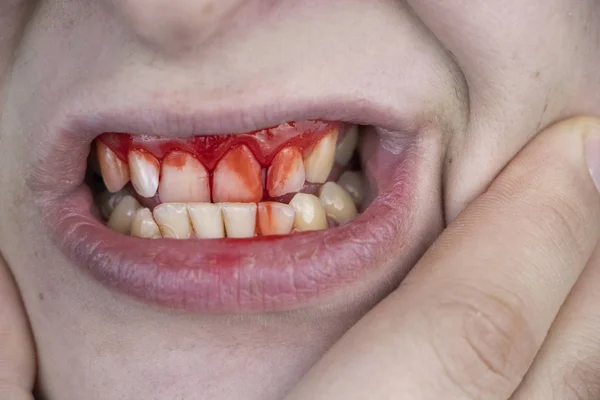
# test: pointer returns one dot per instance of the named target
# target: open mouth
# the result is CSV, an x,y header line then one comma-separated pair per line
x,y
292,178
268,220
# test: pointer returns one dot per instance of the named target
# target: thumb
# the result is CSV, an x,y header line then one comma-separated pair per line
x,y
17,358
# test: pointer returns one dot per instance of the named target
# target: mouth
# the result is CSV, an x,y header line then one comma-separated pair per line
x,y
268,220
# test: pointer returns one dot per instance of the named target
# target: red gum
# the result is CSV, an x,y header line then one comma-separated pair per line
x,y
209,149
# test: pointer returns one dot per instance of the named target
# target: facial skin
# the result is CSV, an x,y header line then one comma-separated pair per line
x,y
470,83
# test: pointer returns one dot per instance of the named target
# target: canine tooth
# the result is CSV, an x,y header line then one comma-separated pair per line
x,y
240,219
144,226
275,218
108,201
337,202
309,213
353,182
115,172
319,162
237,178
144,170
286,173
122,216
173,220
207,220
183,179
346,147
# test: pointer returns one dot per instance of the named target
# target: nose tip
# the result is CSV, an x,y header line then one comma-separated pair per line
x,y
175,26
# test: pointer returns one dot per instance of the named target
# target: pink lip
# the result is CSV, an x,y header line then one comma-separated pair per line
x,y
231,275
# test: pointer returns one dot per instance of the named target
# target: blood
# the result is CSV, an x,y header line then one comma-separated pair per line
x,y
209,149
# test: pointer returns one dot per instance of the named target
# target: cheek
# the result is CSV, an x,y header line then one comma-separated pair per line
x,y
526,67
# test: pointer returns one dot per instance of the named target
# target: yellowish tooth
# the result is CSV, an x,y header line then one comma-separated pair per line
x,y
240,219
354,183
337,202
319,162
144,170
144,226
275,218
347,146
286,173
207,220
115,172
309,213
108,201
122,216
183,179
173,220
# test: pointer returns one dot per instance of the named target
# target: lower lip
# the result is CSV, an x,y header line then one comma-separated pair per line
x,y
242,275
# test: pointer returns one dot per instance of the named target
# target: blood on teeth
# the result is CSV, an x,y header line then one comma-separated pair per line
x,y
183,179
286,173
236,184
237,178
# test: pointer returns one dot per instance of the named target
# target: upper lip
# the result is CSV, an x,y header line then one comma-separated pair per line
x,y
229,275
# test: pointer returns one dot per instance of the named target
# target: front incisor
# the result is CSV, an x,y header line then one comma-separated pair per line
x,y
183,179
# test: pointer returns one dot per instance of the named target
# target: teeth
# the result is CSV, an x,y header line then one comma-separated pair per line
x,y
286,173
108,201
240,219
310,215
207,220
144,170
144,226
173,220
183,179
275,218
346,147
122,216
238,178
353,182
319,162
337,202
115,172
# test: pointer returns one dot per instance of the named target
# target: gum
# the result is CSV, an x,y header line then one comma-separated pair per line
x,y
209,149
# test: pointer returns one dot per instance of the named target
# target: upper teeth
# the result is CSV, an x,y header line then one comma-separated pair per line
x,y
145,170
286,173
114,171
238,177
319,162
185,191
183,179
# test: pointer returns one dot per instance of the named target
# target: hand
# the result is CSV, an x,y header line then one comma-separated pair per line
x,y
502,306
17,356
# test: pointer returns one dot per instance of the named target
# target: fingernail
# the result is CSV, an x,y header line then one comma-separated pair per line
x,y
592,154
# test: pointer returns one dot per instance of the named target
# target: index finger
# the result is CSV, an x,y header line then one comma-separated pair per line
x,y
469,319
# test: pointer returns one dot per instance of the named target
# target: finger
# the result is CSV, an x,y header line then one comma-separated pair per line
x,y
568,365
17,359
469,319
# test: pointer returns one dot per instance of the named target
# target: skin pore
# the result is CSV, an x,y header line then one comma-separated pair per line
x,y
466,84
